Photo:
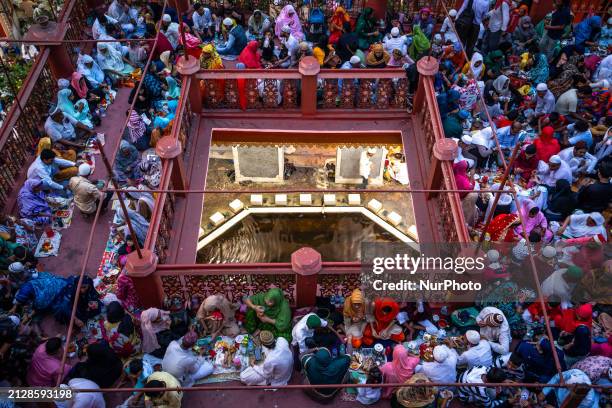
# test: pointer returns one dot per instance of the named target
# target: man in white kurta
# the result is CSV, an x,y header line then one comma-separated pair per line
x,y
304,329
444,367
479,353
494,328
276,369
183,364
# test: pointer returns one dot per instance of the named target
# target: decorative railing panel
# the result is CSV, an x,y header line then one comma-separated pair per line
x,y
235,286
75,28
250,90
329,284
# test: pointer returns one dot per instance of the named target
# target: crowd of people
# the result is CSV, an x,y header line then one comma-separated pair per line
x,y
510,93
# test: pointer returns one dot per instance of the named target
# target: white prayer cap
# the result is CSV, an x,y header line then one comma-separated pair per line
x,y
84,169
493,255
15,319
395,32
284,29
555,159
16,267
472,336
452,13
440,353
355,60
371,150
467,139
228,22
549,251
166,18
542,87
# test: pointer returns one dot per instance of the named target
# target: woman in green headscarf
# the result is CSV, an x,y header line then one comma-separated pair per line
x,y
321,368
269,311
494,62
366,29
420,44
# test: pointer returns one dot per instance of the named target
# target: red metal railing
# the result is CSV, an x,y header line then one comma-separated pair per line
x,y
22,126
380,89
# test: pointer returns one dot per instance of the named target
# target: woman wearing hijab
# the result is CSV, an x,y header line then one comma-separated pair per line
x,y
126,162
575,325
258,24
583,225
539,71
462,179
288,17
538,361
366,30
111,61
501,228
383,329
191,42
562,201
524,33
78,111
336,24
476,67
399,370
173,92
250,56
139,223
377,57
166,60
210,59
102,366
354,313
546,144
269,311
120,332
420,44
321,368
534,221
80,86
152,322
494,63
425,21
90,70
136,132
32,203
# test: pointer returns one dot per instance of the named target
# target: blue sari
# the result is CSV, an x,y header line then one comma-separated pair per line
x,y
42,291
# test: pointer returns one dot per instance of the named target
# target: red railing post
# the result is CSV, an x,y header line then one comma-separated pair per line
x,y
306,263
309,69
427,67
189,66
147,284
169,148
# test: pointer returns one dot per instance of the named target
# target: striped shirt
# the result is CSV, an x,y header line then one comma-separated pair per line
x,y
480,396
514,374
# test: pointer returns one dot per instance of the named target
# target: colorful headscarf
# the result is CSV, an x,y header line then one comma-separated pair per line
x,y
210,58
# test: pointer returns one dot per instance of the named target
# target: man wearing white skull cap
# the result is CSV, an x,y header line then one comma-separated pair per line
x,y
555,169
479,353
444,367
170,30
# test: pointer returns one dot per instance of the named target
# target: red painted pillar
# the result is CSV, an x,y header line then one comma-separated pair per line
x,y
379,7
60,62
169,148
306,263
427,67
148,285
309,68
189,66
443,150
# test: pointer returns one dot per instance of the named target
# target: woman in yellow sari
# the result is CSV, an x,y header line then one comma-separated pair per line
x,y
210,59
63,174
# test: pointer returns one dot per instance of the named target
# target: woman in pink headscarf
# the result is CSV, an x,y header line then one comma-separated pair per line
x,y
399,370
192,43
153,321
534,221
461,178
288,17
